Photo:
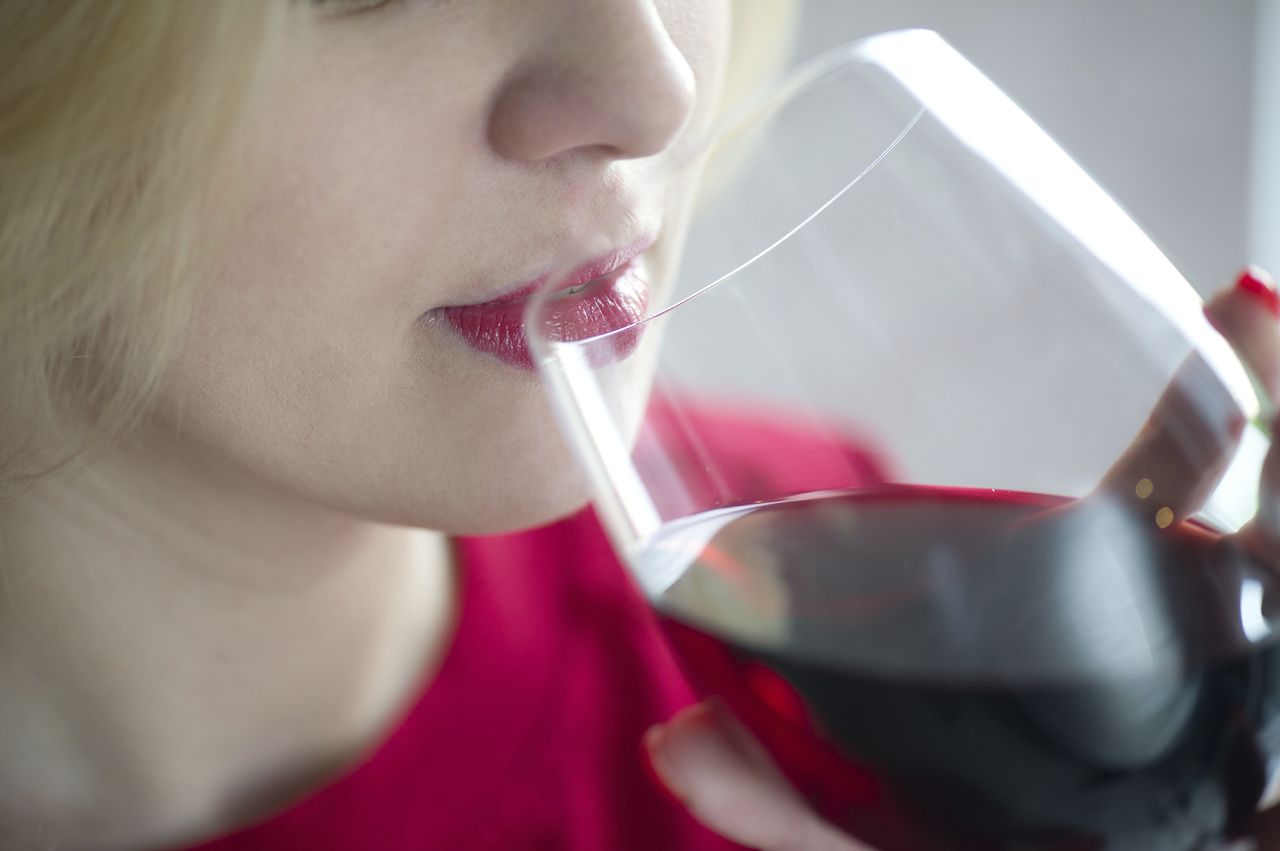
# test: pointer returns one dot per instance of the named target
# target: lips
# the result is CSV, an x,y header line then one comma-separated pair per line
x,y
602,296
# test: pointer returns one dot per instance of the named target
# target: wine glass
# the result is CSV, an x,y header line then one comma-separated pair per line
x,y
867,447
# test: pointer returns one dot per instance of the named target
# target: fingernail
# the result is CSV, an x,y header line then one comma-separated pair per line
x,y
654,760
1257,283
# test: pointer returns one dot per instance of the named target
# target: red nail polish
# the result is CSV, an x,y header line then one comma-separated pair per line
x,y
1260,285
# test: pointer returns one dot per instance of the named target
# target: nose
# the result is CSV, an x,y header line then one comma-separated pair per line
x,y
607,79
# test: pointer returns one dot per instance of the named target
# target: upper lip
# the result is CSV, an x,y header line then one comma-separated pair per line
x,y
603,265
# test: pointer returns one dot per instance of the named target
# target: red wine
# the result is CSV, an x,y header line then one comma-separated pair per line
x,y
962,669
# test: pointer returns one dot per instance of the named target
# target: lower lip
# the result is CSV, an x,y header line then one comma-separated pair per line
x,y
607,305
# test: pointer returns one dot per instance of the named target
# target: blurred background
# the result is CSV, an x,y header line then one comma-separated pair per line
x,y
1173,105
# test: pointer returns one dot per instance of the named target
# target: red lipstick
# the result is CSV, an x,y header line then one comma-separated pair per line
x,y
613,296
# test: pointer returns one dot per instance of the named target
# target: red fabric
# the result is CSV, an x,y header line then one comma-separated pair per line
x,y
529,735
727,455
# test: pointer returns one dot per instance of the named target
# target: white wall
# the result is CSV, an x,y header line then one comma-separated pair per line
x,y
1264,235
1153,97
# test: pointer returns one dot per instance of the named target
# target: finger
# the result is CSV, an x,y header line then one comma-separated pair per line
x,y
728,782
1191,436
1248,316
1250,321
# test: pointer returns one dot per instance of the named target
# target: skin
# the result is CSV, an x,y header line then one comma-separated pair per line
x,y
230,607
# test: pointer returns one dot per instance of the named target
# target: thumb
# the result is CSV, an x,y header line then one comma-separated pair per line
x,y
732,786
1248,316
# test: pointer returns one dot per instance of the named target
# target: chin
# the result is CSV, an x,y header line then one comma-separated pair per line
x,y
485,504
502,514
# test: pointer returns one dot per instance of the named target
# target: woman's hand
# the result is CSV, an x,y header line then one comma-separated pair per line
x,y
730,784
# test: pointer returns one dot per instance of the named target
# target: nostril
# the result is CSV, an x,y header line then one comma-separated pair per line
x,y
623,88
536,119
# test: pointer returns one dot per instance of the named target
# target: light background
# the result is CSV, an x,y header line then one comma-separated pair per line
x,y
1155,98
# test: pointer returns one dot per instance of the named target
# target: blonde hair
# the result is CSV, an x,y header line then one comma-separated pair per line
x,y
111,114
762,40
113,117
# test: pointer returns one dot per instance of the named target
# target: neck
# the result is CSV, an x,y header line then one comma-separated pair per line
x,y
182,650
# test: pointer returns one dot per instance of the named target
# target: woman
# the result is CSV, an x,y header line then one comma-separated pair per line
x,y
241,433
230,233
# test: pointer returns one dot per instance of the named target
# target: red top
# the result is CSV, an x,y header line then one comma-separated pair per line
x,y
529,734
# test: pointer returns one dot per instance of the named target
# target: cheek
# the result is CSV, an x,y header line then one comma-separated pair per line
x,y
306,365
350,206
311,293
419,431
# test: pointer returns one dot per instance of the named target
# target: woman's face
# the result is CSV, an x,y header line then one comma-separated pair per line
x,y
409,156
